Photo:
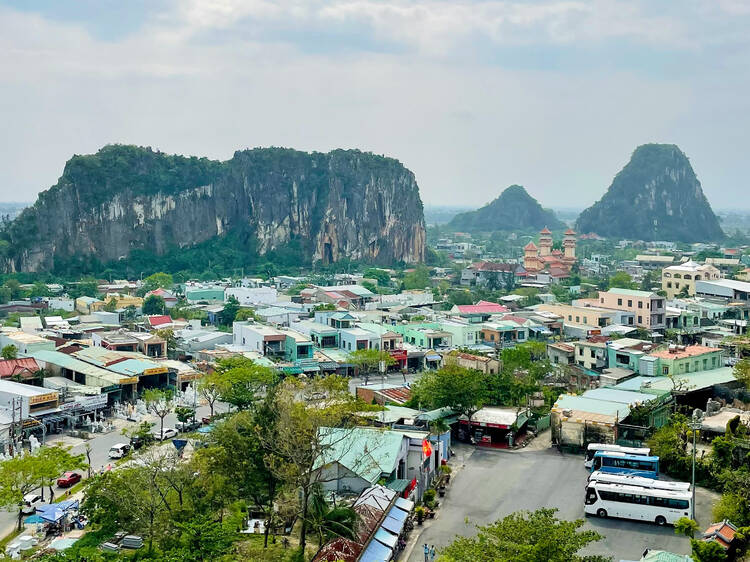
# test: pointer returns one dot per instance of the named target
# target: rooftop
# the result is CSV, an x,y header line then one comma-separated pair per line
x,y
688,351
631,292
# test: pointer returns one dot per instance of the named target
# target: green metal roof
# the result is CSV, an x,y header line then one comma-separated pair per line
x,y
434,415
690,381
591,405
367,452
103,376
664,556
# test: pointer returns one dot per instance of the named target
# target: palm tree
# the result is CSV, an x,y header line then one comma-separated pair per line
x,y
329,522
439,426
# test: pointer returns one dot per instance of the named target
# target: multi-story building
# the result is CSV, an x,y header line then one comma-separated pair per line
x,y
257,337
648,308
591,355
681,278
680,359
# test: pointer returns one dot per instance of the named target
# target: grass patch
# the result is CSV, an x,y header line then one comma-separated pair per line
x,y
9,537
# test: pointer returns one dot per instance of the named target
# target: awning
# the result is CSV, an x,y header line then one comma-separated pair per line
x,y
393,525
388,539
406,505
398,485
376,552
56,511
328,365
432,357
398,514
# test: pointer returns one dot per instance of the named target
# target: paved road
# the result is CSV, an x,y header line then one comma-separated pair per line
x,y
390,378
100,446
493,484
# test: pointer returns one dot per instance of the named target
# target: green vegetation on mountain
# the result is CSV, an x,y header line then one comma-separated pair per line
x,y
656,196
514,209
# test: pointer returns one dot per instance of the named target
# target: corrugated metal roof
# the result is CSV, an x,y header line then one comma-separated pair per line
x,y
618,395
71,363
582,404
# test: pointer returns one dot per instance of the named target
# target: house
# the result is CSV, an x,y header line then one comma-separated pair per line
x,y
159,321
297,346
322,335
30,400
23,368
119,340
87,305
500,275
253,296
725,265
649,308
384,393
591,355
340,320
170,300
495,427
561,353
726,288
681,278
724,534
121,300
354,459
193,341
582,316
479,312
210,295
256,337
24,343
352,339
463,333
487,365
680,359
503,333
651,262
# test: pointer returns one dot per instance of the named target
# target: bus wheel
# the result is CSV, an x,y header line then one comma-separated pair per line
x,y
661,521
602,513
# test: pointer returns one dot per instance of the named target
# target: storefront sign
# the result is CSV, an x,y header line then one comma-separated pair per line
x,y
155,371
129,380
86,403
42,398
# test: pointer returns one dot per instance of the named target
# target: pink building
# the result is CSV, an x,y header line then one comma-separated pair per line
x,y
649,308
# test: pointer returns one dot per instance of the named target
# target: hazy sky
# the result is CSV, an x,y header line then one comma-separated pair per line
x,y
471,96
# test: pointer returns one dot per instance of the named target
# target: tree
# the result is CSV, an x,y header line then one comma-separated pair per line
x,y
53,461
18,476
159,403
209,387
380,275
463,390
686,526
525,536
153,304
303,441
202,538
417,279
621,280
184,413
707,551
370,286
9,352
110,305
229,312
327,522
741,372
493,281
167,334
245,314
39,289
158,280
242,382
368,360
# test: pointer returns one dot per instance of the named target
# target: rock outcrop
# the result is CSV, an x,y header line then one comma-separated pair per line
x,y
656,196
345,204
514,209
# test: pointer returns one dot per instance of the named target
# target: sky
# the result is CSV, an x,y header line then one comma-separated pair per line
x,y
471,96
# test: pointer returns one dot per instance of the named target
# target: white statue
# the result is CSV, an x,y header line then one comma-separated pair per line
x,y
34,444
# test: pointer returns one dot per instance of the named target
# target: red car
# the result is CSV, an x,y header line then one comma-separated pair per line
x,y
68,479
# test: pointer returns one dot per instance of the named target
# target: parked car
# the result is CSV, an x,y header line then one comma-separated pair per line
x,y
119,450
190,425
136,442
30,501
68,479
166,433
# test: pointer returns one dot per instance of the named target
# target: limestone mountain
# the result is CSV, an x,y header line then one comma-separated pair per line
x,y
514,209
656,196
123,200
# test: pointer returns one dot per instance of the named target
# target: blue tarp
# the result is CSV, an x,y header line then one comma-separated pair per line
x,y
53,512
393,525
398,514
404,504
376,552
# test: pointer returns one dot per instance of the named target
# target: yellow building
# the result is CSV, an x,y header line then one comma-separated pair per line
x,y
676,278
588,316
123,301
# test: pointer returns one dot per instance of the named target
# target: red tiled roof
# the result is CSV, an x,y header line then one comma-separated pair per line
x,y
470,357
570,232
545,230
516,319
399,395
722,532
530,246
11,367
159,320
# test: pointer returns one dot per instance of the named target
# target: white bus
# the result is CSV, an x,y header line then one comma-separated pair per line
x,y
636,502
592,449
629,480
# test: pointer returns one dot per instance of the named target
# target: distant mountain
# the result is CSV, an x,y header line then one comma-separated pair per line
x,y
514,209
656,196
441,214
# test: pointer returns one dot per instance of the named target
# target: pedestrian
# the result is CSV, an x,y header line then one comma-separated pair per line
x,y
426,553
432,553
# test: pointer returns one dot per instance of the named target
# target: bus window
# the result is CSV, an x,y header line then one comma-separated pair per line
x,y
590,496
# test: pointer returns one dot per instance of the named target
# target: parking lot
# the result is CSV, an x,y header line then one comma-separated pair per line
x,y
493,484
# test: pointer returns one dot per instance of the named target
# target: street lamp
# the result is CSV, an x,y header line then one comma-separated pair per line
x,y
694,424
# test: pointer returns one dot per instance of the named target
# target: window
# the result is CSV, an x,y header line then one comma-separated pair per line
x,y
619,302
591,351
669,286
665,370
677,276
640,303
630,303
687,276
640,319
585,321
570,317
705,364
580,351
713,361
578,319
602,300
676,285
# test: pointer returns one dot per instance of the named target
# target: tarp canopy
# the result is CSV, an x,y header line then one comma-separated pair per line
x,y
376,552
53,512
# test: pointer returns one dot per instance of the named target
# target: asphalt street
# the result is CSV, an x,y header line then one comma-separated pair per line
x,y
493,484
100,446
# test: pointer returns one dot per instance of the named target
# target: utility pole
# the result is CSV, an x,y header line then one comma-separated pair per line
x,y
694,424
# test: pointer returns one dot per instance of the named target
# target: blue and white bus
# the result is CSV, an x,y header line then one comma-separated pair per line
x,y
594,448
616,462
636,502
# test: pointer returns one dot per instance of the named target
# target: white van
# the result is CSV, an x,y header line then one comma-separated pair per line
x,y
30,502
119,450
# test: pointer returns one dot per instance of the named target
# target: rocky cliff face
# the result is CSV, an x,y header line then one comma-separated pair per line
x,y
344,204
514,209
656,196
